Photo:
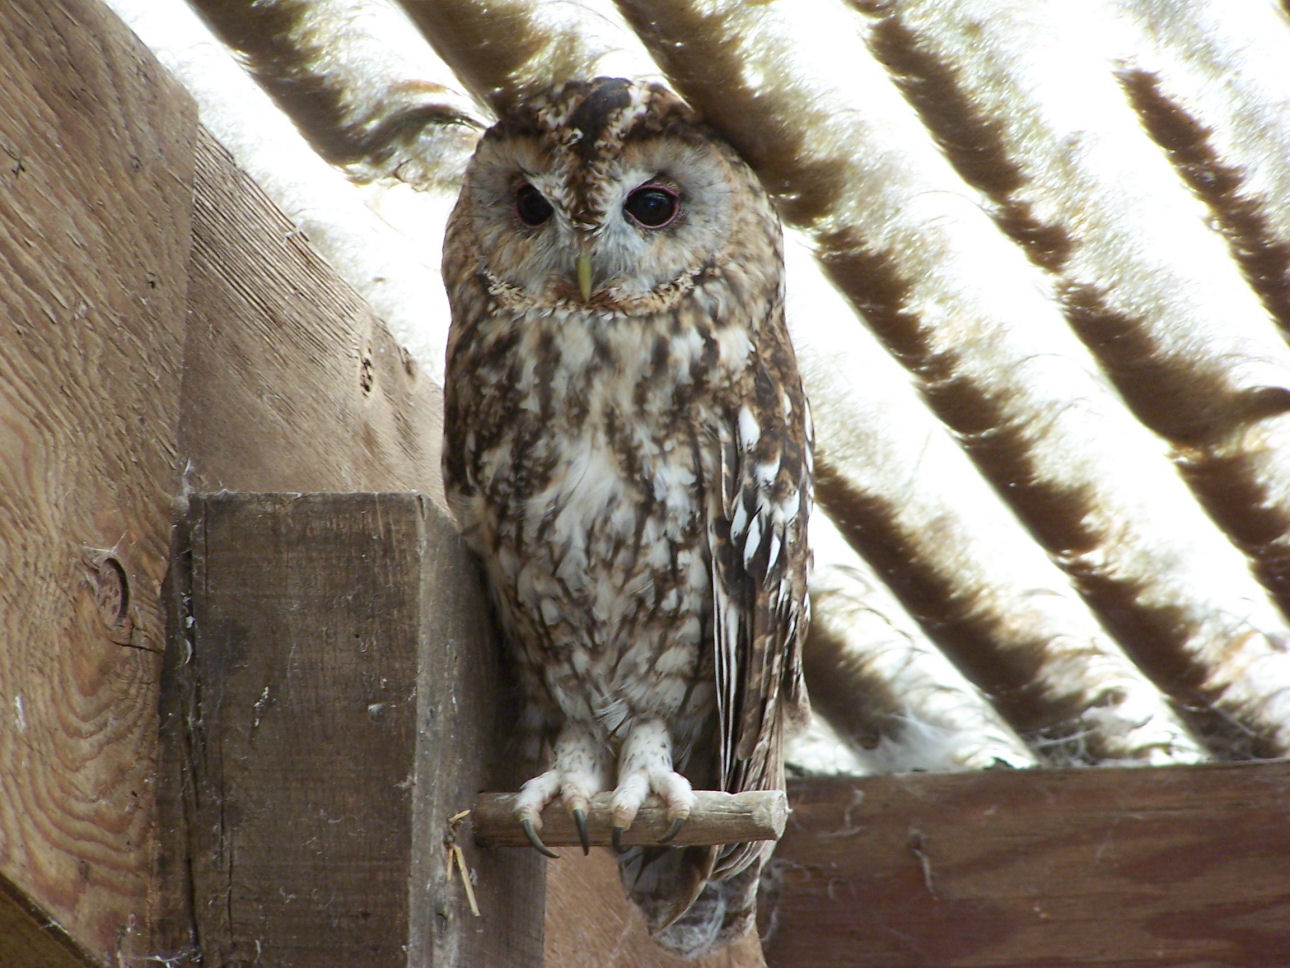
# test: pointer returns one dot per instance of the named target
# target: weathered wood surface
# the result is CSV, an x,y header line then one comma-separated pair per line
x,y
591,924
27,938
287,381
291,383
464,746
342,707
1158,868
95,196
717,818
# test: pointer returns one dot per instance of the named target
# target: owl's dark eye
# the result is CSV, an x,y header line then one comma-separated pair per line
x,y
652,206
531,207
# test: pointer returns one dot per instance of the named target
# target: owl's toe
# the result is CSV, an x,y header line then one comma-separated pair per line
x,y
580,821
645,767
670,787
675,792
576,775
673,830
526,824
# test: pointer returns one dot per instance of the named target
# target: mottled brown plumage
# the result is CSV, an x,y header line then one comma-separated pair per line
x,y
627,447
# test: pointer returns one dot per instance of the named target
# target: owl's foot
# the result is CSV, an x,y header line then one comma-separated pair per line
x,y
576,774
645,767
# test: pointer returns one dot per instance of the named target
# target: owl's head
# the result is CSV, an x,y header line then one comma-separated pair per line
x,y
608,195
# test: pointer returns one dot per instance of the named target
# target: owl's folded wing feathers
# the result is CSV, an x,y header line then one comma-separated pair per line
x,y
757,538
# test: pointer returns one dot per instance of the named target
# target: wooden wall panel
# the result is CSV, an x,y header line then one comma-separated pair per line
x,y
590,923
95,196
115,376
303,638
466,743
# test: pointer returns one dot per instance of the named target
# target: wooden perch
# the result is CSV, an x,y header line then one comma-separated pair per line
x,y
717,818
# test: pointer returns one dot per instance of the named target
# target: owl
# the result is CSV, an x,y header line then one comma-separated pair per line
x,y
628,451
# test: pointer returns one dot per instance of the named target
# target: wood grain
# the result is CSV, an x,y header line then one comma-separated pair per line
x,y
291,383
343,708
1151,868
95,195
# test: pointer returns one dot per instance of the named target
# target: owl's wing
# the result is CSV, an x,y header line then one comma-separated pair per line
x,y
759,567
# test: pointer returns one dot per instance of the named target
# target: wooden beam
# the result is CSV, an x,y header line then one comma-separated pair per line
x,y
291,382
343,705
29,938
591,924
95,197
1148,868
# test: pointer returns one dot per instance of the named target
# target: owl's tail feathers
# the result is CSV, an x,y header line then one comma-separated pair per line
x,y
685,912
723,913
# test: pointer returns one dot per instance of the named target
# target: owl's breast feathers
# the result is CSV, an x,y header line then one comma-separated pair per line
x,y
638,488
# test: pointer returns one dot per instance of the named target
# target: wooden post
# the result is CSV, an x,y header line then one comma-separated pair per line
x,y
343,696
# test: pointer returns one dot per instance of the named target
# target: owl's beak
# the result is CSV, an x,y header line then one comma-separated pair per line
x,y
583,268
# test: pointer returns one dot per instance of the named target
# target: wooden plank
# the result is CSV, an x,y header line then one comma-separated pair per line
x,y
291,383
28,938
305,617
95,196
343,707
1099,867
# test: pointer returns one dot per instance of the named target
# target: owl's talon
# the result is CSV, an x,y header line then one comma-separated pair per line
x,y
527,826
617,836
673,830
580,821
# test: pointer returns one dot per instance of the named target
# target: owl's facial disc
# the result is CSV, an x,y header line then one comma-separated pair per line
x,y
651,207
615,236
606,196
